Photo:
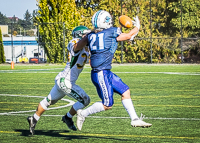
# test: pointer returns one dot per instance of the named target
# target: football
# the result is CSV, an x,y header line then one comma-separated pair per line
x,y
125,21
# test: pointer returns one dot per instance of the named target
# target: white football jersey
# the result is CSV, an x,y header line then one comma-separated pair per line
x,y
76,62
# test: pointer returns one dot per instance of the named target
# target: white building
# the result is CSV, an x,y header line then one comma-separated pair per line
x,y
18,48
4,29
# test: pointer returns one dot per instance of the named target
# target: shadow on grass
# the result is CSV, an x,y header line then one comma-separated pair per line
x,y
58,133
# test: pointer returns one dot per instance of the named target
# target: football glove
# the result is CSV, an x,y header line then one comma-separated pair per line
x,y
136,22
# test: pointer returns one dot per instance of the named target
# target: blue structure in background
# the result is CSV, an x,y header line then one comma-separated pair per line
x,y
18,43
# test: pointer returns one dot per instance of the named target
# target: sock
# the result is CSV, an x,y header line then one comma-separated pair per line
x,y
68,115
36,117
94,108
78,105
128,105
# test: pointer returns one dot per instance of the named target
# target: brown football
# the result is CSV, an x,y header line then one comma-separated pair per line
x,y
125,21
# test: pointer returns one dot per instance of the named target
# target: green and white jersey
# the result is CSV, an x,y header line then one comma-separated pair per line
x,y
75,64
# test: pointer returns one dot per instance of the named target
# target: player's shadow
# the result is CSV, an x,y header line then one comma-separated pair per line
x,y
58,133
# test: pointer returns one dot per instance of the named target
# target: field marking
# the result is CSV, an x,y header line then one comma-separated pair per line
x,y
10,132
110,135
132,136
18,113
40,71
177,73
7,113
106,117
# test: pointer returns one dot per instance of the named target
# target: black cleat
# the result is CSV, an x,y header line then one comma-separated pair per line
x,y
32,122
69,123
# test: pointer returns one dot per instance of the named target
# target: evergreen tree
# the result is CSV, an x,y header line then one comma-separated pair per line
x,y
27,16
3,19
2,57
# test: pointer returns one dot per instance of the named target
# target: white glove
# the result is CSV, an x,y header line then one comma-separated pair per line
x,y
136,22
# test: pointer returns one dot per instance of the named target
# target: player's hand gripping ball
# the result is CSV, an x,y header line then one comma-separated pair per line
x,y
125,21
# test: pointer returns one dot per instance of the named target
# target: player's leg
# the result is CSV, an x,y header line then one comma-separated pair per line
x,y
52,98
74,91
128,105
102,82
121,88
68,117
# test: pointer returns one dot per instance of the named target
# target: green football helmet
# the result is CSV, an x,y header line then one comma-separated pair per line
x,y
79,31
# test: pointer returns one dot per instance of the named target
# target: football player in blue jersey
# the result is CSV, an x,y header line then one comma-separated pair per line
x,y
102,44
65,83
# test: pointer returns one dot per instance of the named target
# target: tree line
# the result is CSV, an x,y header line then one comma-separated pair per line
x,y
166,27
18,26
159,37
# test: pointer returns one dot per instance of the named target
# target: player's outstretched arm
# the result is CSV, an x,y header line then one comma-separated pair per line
x,y
132,33
127,36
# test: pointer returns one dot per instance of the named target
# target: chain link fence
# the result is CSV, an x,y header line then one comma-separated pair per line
x,y
185,50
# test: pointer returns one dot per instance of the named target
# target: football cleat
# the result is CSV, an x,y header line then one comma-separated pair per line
x,y
69,123
80,119
139,123
32,122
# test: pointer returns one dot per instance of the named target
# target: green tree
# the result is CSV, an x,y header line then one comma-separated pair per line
x,y
27,16
3,19
164,24
34,15
190,14
2,57
190,25
54,17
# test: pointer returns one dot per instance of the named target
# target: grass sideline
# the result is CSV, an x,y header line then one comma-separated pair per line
x,y
168,96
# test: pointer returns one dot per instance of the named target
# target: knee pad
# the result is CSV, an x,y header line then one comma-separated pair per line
x,y
86,100
78,105
45,103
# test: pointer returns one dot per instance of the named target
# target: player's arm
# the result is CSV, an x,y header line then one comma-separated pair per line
x,y
81,44
127,36
132,33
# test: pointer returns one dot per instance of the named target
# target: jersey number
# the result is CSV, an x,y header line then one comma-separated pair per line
x,y
94,38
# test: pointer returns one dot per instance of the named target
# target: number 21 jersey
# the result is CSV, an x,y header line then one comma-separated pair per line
x,y
102,47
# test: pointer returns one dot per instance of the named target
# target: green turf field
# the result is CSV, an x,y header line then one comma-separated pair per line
x,y
168,96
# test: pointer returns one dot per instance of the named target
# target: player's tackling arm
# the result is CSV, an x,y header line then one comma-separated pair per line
x,y
81,44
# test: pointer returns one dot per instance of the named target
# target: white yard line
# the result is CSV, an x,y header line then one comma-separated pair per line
x,y
39,71
8,113
19,113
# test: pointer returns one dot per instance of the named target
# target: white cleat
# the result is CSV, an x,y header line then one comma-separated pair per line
x,y
80,119
140,123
